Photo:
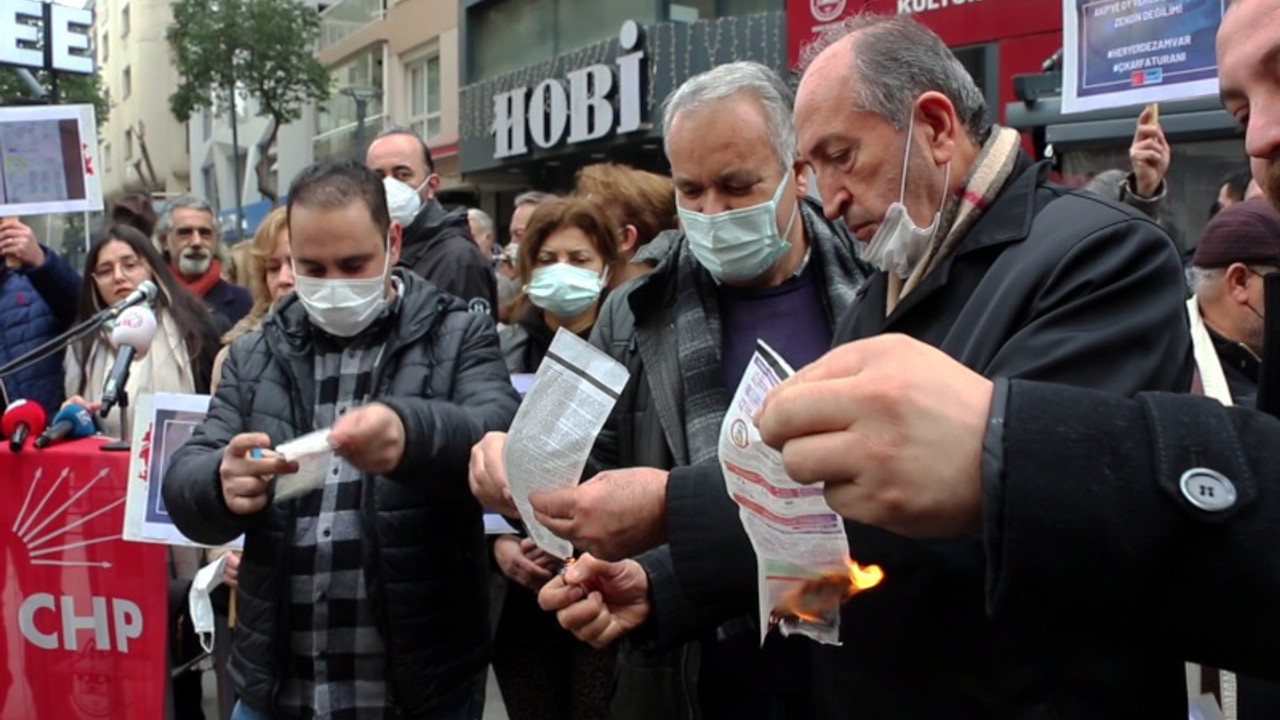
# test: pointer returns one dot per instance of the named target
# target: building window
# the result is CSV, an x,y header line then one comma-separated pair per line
x,y
126,83
693,10
128,144
104,47
124,21
507,35
423,79
106,157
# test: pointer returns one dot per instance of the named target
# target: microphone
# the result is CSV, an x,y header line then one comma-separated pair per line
x,y
71,421
132,334
145,292
22,418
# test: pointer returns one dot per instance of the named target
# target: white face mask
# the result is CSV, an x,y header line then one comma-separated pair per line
x,y
346,306
199,604
899,243
403,202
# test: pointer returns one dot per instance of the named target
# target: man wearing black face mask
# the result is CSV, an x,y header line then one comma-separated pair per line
x,y
364,596
755,260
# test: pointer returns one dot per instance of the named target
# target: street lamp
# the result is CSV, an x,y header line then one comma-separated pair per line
x,y
362,94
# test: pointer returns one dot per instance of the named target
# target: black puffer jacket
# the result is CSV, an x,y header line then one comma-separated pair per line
x,y
439,247
443,374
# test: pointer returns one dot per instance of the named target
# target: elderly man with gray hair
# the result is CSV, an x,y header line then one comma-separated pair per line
x,y
188,238
1015,277
755,260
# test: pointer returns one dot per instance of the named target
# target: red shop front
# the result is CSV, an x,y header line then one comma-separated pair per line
x,y
995,39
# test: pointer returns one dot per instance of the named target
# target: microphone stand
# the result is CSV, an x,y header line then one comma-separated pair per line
x,y
126,429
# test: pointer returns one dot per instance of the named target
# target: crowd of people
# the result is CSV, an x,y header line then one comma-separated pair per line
x,y
994,383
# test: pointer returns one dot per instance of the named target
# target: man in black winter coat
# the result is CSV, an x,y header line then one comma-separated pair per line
x,y
366,595
437,244
983,258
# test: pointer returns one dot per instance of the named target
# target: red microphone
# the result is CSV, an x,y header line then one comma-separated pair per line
x,y
22,419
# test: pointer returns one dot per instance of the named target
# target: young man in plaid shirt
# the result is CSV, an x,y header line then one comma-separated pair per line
x,y
365,597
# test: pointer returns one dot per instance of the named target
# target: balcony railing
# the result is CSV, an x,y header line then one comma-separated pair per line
x,y
346,17
340,142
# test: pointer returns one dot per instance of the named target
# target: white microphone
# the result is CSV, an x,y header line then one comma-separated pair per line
x,y
145,292
132,334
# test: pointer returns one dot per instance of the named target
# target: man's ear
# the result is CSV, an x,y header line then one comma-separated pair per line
x,y
1236,280
433,184
394,235
936,115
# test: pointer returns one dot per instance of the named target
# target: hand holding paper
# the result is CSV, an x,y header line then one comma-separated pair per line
x,y
552,434
614,515
487,475
370,437
245,478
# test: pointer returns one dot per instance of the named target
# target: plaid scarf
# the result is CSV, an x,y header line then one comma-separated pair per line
x,y
698,328
987,177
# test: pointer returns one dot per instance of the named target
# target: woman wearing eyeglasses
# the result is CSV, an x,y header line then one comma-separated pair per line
x,y
186,340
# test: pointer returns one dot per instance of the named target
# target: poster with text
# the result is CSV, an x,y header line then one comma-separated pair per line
x,y
1128,52
48,160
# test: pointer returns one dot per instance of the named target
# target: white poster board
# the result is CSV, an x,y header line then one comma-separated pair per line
x,y
49,160
1120,53
162,422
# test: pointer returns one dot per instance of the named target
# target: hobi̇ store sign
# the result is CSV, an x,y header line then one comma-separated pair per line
x,y
588,104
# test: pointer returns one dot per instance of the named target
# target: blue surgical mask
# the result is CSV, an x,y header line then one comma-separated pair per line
x,y
739,244
899,243
564,290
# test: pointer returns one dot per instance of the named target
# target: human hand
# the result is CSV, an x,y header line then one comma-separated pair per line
x,y
1149,154
370,437
599,601
18,244
488,476
91,407
245,478
614,515
522,561
231,571
895,429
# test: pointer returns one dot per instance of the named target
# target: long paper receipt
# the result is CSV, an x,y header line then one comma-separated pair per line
x,y
551,437
801,550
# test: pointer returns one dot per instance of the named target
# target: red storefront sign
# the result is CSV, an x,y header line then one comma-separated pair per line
x,y
1025,32
84,613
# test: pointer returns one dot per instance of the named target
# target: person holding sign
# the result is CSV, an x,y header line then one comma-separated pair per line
x,y
39,292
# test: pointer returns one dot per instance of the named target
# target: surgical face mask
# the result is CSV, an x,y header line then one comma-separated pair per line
x,y
345,306
899,243
739,244
564,290
403,202
199,604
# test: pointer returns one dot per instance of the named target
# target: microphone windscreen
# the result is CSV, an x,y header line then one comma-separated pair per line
x,y
23,411
81,422
135,327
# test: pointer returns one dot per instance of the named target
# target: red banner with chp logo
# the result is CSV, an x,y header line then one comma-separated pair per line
x,y
84,612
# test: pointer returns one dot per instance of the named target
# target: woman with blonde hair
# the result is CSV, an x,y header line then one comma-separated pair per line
x,y
270,277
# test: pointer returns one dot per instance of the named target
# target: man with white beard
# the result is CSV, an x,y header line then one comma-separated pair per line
x,y
189,240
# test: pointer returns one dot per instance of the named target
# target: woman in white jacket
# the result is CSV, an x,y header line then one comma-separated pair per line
x,y
181,356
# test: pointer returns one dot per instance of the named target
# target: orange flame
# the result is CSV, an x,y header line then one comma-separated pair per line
x,y
820,596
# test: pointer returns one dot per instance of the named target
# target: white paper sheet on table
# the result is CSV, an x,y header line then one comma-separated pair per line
x,y
572,394
795,534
